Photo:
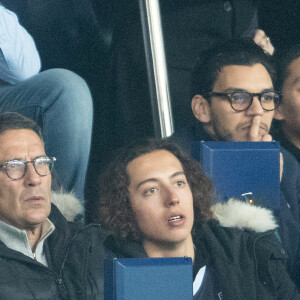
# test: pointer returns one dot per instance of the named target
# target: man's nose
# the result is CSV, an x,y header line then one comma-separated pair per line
x,y
31,177
171,197
255,108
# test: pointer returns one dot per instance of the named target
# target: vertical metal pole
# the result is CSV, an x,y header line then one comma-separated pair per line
x,y
157,70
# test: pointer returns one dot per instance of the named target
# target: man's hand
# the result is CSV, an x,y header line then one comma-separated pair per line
x,y
254,132
262,40
254,137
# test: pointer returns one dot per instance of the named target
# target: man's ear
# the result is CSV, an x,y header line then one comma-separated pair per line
x,y
201,109
278,113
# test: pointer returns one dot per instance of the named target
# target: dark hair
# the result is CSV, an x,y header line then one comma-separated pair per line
x,y
283,58
114,209
243,52
13,120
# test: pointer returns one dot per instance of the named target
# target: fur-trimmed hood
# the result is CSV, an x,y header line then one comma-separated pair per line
x,y
233,213
68,204
239,214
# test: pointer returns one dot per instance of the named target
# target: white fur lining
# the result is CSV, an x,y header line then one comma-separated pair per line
x,y
68,204
236,213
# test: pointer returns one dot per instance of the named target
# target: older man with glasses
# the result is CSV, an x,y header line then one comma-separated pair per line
x,y
234,100
42,256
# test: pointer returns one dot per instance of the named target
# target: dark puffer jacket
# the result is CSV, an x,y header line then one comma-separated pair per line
x,y
74,254
241,251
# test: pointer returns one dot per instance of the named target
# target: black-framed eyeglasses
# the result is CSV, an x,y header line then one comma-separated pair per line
x,y
16,169
241,101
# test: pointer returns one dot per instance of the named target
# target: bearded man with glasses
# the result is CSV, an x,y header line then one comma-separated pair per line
x,y
234,99
42,255
233,94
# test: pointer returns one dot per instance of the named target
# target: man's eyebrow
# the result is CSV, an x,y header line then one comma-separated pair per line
x,y
177,174
234,90
269,90
10,159
19,158
156,180
145,181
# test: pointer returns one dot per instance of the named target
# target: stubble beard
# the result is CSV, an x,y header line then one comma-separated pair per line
x,y
219,132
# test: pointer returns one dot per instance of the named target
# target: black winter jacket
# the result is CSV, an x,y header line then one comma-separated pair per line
x,y
74,257
246,259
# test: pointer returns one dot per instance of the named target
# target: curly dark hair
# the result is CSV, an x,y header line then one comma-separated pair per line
x,y
114,208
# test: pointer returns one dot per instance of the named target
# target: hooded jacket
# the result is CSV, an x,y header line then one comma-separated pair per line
x,y
74,255
240,248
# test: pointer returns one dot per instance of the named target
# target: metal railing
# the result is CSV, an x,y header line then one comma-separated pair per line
x,y
156,66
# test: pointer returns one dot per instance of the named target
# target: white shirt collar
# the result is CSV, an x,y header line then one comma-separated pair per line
x,y
17,240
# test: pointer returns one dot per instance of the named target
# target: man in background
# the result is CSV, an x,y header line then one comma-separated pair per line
x,y
234,100
286,128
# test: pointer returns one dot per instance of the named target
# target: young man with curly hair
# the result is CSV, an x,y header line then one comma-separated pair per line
x,y
157,202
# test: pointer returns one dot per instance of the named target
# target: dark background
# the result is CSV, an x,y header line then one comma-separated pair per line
x,y
102,42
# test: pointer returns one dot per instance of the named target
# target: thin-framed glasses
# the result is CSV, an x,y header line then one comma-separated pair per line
x,y
16,169
241,101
